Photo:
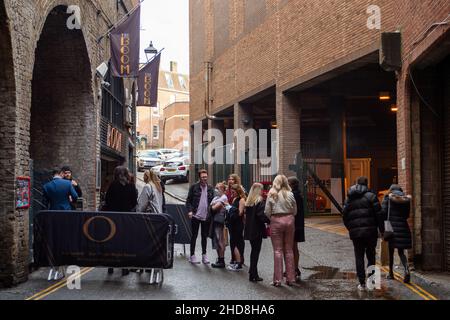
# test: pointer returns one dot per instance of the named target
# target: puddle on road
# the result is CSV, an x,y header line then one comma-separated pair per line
x,y
330,273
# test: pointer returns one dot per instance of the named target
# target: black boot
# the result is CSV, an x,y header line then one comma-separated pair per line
x,y
407,275
110,270
255,278
125,272
298,275
220,264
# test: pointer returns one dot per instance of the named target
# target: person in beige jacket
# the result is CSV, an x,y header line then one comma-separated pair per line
x,y
281,209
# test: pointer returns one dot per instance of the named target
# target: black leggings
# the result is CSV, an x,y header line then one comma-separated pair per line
x,y
401,254
254,257
195,227
237,238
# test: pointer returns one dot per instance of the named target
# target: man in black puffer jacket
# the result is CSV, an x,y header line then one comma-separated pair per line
x,y
362,218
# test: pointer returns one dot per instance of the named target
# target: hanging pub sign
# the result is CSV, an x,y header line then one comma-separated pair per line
x,y
23,190
125,46
148,83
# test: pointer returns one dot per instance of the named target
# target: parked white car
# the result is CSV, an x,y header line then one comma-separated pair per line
x,y
148,159
175,168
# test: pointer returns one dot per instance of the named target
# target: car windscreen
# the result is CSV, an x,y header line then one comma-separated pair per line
x,y
149,154
173,164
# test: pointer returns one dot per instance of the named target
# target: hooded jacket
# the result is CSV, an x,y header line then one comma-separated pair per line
x,y
398,217
362,213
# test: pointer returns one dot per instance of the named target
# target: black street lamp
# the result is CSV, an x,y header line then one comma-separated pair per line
x,y
151,50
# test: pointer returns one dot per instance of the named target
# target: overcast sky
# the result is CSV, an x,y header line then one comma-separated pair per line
x,y
166,23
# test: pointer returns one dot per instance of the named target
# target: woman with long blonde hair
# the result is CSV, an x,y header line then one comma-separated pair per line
x,y
151,198
281,209
255,227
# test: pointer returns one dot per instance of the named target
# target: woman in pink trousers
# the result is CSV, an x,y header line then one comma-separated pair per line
x,y
281,209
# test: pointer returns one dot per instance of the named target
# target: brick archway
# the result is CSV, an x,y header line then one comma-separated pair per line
x,y
8,247
63,121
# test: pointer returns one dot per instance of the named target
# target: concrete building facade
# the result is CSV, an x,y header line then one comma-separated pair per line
x,y
312,70
50,106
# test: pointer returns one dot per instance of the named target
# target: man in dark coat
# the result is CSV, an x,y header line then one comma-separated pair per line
x,y
398,206
362,217
197,203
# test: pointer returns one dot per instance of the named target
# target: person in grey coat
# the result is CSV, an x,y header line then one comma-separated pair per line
x,y
151,197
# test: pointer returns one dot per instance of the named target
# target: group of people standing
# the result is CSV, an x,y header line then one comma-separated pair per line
x,y
123,196
253,216
228,209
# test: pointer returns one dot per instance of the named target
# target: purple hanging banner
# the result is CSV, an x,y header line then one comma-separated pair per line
x,y
148,83
125,46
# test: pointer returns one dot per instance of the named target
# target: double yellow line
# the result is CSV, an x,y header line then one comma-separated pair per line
x,y
60,284
412,286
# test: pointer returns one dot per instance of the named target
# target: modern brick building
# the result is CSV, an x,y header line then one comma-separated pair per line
x,y
172,87
54,110
312,70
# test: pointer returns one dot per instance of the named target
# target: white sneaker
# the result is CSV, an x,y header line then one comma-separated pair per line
x,y
205,259
193,260
361,287
234,267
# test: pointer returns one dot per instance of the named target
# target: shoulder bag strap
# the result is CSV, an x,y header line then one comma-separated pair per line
x,y
389,207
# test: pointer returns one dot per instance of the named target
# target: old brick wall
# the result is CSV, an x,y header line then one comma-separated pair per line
x,y
24,21
416,131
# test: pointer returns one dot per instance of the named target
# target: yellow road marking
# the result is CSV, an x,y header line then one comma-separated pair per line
x,y
412,286
62,285
56,286
49,288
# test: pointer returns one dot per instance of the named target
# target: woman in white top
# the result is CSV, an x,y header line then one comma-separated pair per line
x,y
281,209
151,198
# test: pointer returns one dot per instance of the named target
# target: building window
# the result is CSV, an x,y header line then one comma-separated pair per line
x,y
155,132
113,99
156,109
182,82
169,81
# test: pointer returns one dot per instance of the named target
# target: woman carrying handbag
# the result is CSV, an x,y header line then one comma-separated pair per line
x,y
218,224
396,208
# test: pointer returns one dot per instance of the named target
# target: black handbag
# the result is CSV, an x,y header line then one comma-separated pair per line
x,y
232,215
219,218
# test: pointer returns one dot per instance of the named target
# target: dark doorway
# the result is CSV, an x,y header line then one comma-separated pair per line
x,y
63,128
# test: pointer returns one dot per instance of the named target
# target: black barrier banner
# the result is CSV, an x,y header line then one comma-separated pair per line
x,y
179,214
103,239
